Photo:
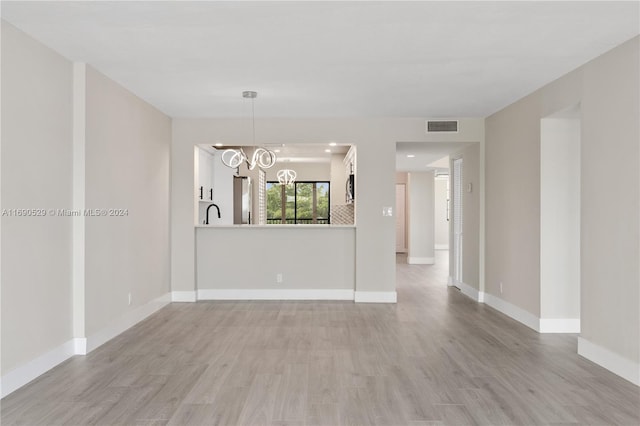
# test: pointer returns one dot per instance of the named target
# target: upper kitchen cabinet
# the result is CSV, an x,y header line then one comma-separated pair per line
x,y
214,185
205,175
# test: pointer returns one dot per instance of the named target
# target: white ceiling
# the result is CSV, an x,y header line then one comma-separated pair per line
x,y
409,59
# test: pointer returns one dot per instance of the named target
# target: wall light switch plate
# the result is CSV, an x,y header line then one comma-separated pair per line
x,y
470,187
387,211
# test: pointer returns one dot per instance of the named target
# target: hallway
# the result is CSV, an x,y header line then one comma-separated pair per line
x,y
435,358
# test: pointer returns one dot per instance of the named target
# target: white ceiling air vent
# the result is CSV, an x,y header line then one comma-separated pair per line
x,y
442,126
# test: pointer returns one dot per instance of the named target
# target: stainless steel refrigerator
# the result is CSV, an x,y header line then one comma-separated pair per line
x,y
241,200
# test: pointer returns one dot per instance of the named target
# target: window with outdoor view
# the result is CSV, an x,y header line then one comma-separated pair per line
x,y
298,203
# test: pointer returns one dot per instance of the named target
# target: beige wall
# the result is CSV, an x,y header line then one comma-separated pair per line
x,y
421,224
512,153
610,252
607,89
375,140
441,235
127,166
36,174
304,171
311,257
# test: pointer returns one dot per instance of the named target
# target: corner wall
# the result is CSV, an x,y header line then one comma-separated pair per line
x,y
36,174
610,213
127,167
66,275
607,89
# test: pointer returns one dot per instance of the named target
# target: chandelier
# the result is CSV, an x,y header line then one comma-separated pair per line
x,y
286,176
262,157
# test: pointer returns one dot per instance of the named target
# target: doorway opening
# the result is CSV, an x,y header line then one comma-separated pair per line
x,y
560,222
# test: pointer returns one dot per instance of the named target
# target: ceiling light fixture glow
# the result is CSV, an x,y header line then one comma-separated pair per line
x,y
410,155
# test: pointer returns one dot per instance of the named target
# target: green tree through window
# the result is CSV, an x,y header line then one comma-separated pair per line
x,y
303,202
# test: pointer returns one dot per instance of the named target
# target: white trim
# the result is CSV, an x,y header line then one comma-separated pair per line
x,y
450,281
22,375
613,362
183,296
420,260
275,294
441,246
468,291
512,311
376,297
80,346
126,321
559,325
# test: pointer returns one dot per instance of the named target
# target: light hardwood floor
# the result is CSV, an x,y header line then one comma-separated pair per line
x,y
435,358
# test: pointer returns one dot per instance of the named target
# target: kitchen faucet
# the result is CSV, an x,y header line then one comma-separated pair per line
x,y
206,222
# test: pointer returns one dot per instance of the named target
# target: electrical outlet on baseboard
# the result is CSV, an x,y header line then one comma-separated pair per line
x,y
279,278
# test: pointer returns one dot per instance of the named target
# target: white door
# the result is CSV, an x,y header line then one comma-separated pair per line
x,y
401,226
457,220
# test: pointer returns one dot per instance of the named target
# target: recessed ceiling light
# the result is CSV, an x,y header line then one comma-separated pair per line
x,y
327,150
333,144
218,144
410,155
276,150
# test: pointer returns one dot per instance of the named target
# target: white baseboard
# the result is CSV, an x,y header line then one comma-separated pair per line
x,y
420,260
183,296
613,362
512,311
468,291
450,281
22,375
275,294
376,297
441,246
559,325
126,321
80,346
